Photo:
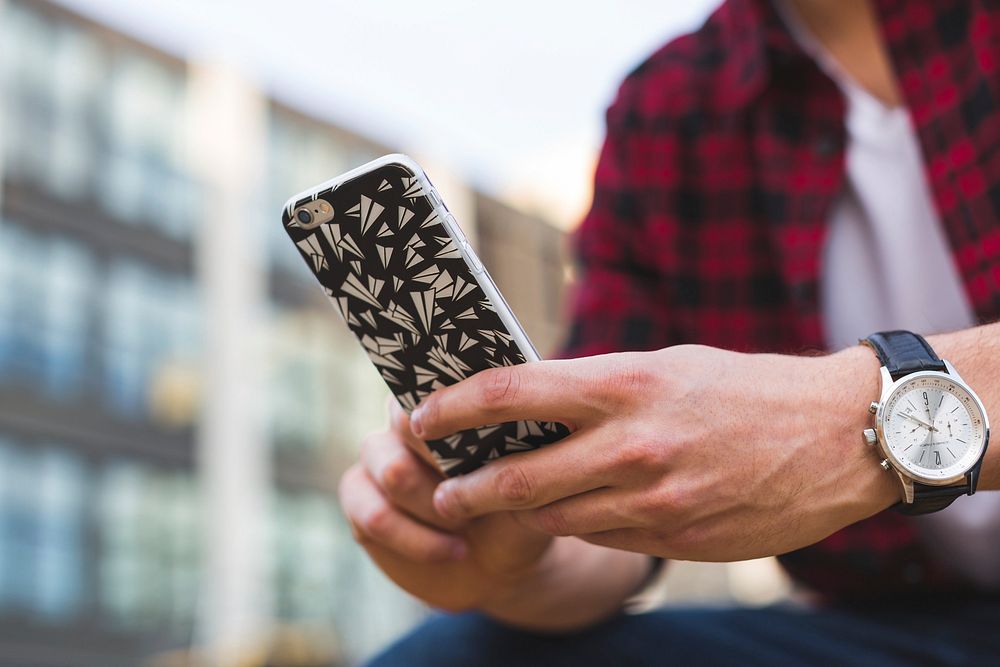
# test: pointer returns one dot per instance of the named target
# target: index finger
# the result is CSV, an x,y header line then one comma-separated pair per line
x,y
527,480
542,391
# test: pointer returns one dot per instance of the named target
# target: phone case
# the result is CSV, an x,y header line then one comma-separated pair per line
x,y
396,266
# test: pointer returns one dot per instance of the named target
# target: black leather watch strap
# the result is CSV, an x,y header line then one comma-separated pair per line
x,y
928,499
904,352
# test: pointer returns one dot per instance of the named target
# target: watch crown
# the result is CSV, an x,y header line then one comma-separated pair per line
x,y
873,408
870,437
885,464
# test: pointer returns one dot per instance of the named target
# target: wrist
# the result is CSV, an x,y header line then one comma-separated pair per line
x,y
512,587
574,585
858,379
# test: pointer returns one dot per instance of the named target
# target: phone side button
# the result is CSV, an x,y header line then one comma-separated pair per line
x,y
470,257
452,224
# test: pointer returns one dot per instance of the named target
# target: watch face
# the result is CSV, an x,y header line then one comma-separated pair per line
x,y
933,427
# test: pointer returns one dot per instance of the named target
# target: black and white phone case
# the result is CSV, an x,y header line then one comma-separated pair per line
x,y
397,267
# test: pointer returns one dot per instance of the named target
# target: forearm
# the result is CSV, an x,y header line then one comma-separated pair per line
x,y
577,584
974,353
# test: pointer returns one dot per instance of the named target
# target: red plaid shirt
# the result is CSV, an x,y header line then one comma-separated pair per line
x,y
724,154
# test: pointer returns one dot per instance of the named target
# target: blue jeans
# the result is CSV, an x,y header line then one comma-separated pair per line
x,y
953,634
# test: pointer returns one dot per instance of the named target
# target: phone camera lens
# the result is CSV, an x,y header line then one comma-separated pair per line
x,y
303,216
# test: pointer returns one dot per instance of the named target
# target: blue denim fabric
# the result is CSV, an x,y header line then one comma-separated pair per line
x,y
957,634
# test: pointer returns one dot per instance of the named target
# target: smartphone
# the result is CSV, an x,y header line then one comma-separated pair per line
x,y
397,267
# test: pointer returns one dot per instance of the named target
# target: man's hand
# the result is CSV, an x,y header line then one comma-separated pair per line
x,y
449,563
494,564
688,452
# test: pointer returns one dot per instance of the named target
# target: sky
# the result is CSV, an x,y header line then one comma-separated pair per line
x,y
509,95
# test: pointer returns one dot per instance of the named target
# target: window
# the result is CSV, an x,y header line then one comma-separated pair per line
x,y
308,555
22,316
69,283
322,389
299,157
41,530
28,51
321,578
77,86
124,583
300,391
149,544
151,321
60,553
45,286
144,179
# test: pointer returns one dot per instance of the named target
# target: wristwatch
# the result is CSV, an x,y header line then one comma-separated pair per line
x,y
930,427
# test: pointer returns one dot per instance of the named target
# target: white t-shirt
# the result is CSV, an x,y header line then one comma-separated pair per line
x,y
887,265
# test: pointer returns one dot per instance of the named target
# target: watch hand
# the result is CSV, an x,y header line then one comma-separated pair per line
x,y
919,421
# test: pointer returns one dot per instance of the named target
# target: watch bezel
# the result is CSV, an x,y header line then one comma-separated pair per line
x,y
888,389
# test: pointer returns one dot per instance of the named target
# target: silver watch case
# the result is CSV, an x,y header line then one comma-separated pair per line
x,y
906,477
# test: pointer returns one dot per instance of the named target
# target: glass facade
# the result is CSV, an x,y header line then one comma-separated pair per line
x,y
144,180
146,523
149,535
98,304
42,494
46,287
93,121
57,305
323,393
309,540
102,361
151,324
100,310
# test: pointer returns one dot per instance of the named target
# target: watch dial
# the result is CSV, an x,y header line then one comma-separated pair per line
x,y
934,427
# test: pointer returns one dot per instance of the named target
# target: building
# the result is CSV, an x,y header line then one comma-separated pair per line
x,y
177,399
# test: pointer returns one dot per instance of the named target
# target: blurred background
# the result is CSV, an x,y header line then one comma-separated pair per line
x,y
177,399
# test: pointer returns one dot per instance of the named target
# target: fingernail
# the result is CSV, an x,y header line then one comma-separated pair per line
x,y
458,551
415,425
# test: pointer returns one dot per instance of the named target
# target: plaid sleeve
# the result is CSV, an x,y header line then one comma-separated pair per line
x,y
619,301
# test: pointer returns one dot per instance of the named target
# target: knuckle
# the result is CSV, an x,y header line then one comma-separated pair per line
x,y
377,522
647,514
500,386
552,520
430,551
631,376
347,483
671,500
358,535
514,486
642,451
398,475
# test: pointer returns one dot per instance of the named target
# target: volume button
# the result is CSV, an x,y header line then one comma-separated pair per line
x,y
470,257
452,224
